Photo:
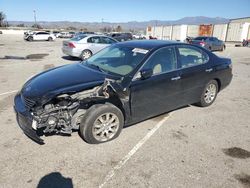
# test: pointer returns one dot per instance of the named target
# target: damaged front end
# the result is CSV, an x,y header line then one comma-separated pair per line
x,y
61,114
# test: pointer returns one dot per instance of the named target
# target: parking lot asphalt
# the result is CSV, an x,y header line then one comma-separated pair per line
x,y
190,147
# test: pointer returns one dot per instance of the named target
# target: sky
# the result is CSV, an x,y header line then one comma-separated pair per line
x,y
121,10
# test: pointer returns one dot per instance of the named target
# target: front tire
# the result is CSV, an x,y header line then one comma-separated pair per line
x,y
223,48
209,94
50,39
101,123
86,54
30,39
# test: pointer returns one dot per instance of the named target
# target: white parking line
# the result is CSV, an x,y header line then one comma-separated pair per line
x,y
133,151
9,92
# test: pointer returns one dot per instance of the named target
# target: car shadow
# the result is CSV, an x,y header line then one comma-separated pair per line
x,y
70,58
55,180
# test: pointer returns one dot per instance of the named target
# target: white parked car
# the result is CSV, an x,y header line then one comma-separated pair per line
x,y
84,46
65,35
139,36
41,35
57,34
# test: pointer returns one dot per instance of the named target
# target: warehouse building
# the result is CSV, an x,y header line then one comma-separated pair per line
x,y
234,31
238,30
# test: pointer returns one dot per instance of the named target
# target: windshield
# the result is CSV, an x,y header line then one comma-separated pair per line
x,y
117,59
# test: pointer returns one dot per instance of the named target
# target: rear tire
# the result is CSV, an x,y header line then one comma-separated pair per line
x,y
101,123
86,54
209,94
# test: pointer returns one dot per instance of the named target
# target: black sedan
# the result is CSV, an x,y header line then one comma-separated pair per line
x,y
123,84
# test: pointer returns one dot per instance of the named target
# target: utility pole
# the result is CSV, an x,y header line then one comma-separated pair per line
x,y
34,11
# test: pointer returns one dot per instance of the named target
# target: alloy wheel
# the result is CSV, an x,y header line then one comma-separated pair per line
x,y
105,127
86,55
210,93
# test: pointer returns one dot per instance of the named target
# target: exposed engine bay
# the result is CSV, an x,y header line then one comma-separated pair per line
x,y
63,114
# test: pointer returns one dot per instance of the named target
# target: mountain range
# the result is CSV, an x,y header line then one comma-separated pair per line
x,y
132,25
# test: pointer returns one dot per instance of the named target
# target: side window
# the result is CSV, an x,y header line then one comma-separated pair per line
x,y
163,60
96,40
106,40
42,33
191,56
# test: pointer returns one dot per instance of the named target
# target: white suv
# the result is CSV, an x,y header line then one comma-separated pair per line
x,y
39,36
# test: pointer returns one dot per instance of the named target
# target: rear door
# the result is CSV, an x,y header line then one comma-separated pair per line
x,y
95,44
159,93
218,44
215,45
196,71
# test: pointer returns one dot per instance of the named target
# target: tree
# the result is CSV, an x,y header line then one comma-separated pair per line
x,y
20,25
106,29
37,26
71,28
118,28
84,29
2,19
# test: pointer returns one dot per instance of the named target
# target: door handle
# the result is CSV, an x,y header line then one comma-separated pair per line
x,y
209,70
176,78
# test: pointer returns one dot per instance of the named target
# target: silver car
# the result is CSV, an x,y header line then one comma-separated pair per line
x,y
84,46
210,43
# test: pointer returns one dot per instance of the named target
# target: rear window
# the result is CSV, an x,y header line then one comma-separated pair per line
x,y
78,37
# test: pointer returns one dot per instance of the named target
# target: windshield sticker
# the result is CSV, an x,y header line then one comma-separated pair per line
x,y
140,50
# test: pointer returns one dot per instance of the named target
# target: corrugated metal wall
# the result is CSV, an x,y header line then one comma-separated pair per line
x,y
193,30
176,34
158,32
220,31
248,35
167,31
234,32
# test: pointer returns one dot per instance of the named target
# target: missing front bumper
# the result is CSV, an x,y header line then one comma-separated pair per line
x,y
25,125
24,120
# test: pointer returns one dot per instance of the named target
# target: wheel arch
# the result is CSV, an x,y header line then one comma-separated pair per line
x,y
114,100
87,49
219,83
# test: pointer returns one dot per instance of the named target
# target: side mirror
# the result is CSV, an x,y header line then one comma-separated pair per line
x,y
147,73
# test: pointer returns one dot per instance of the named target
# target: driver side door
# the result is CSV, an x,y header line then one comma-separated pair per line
x,y
160,92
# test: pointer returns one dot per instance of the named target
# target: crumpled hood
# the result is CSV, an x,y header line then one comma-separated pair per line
x,y
65,79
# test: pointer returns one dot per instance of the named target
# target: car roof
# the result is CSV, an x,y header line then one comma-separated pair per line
x,y
148,44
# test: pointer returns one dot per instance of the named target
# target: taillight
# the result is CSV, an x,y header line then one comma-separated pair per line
x,y
202,43
71,45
